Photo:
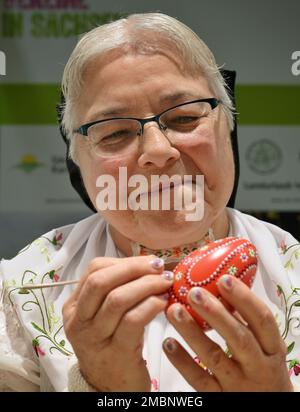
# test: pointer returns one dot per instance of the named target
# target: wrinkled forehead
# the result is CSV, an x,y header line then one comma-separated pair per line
x,y
134,84
99,61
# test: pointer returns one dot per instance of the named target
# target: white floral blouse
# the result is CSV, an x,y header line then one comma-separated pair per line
x,y
34,352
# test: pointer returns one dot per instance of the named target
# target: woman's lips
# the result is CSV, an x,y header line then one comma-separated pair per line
x,y
161,188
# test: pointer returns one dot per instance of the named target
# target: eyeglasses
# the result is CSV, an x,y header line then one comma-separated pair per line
x,y
121,135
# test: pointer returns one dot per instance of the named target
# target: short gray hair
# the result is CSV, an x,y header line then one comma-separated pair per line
x,y
145,33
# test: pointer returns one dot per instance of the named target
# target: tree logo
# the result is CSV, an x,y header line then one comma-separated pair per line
x,y
264,157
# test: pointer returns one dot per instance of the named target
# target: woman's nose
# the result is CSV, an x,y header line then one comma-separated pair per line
x,y
156,148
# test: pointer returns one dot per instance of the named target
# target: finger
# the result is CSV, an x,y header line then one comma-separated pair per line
x,y
131,328
212,356
121,299
239,318
100,283
194,374
258,316
95,265
240,340
100,263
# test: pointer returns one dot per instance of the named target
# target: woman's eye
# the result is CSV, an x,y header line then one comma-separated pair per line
x,y
117,135
186,119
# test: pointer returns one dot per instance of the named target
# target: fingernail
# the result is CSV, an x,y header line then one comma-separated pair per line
x,y
168,275
170,345
157,263
226,282
197,296
164,296
178,313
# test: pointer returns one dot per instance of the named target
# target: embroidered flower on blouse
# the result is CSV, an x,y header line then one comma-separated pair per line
x,y
294,367
279,290
56,240
297,369
154,385
48,324
177,251
54,276
282,246
280,294
38,350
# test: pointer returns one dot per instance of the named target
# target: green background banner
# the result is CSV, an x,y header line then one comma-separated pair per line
x,y
256,104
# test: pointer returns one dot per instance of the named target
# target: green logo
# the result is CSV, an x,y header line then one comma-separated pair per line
x,y
28,163
264,157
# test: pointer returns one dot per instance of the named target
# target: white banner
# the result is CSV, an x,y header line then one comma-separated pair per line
x,y
33,171
270,165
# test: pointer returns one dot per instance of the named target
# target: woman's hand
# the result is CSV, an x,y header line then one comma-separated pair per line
x,y
257,361
105,317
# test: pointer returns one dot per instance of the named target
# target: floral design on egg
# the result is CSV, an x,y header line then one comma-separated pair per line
x,y
182,291
232,270
178,276
252,253
244,257
204,267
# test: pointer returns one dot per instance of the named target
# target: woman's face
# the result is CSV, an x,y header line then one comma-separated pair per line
x,y
142,86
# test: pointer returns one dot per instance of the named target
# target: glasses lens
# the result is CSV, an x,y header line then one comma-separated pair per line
x,y
114,136
185,119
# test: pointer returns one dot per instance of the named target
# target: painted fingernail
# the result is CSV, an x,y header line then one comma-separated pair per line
x,y
170,345
178,313
164,296
157,263
168,275
226,282
197,296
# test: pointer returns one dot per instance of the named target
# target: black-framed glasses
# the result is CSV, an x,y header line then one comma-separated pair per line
x,y
120,135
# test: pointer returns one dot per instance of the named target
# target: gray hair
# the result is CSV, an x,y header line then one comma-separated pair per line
x,y
145,33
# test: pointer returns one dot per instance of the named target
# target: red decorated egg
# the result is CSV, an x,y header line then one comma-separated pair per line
x,y
203,267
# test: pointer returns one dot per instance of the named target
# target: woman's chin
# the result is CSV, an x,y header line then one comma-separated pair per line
x,y
166,229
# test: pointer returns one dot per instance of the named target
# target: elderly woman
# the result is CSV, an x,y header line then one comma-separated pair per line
x,y
144,93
